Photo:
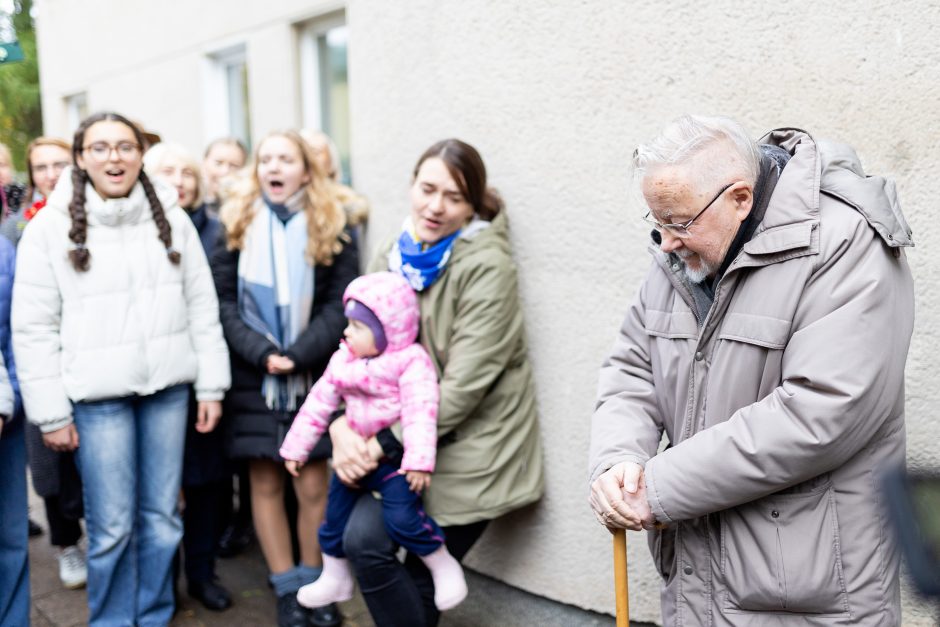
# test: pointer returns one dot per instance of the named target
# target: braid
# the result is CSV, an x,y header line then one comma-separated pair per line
x,y
159,218
79,255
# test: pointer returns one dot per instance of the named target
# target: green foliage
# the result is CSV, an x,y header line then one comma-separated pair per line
x,y
20,109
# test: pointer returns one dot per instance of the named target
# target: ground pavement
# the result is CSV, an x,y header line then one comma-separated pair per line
x,y
490,602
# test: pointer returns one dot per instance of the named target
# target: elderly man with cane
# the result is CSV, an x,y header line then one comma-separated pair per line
x,y
768,342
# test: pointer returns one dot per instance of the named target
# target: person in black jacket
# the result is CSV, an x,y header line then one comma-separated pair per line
x,y
280,275
206,476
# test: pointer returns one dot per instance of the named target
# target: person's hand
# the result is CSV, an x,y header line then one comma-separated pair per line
x,y
208,414
279,364
293,467
418,480
618,498
62,440
351,458
376,452
2,420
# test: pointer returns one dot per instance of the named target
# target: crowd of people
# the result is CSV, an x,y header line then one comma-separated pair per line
x,y
163,328
162,321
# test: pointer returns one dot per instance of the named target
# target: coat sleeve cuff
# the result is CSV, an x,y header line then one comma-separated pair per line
x,y
418,461
607,463
652,495
48,426
210,395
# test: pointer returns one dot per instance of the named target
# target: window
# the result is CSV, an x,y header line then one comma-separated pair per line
x,y
76,110
227,109
324,85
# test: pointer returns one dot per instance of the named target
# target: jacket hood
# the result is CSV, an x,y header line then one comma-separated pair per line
x,y
392,301
481,235
112,211
837,171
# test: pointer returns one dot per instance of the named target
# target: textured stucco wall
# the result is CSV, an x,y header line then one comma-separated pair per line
x,y
556,94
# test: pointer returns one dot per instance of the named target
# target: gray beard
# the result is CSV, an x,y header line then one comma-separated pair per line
x,y
699,275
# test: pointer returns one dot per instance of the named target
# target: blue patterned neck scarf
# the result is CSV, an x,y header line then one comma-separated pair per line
x,y
420,267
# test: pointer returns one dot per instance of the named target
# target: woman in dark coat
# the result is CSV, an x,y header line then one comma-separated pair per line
x,y
280,277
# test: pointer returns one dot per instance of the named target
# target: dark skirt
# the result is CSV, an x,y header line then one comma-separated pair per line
x,y
260,433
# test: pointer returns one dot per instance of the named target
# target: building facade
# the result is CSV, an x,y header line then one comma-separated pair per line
x,y
556,95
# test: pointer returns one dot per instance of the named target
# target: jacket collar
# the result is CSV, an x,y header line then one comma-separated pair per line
x,y
793,211
132,209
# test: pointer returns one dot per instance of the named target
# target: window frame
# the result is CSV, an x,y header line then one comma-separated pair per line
x,y
219,110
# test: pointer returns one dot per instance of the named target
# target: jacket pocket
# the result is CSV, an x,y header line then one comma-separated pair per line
x,y
782,553
671,325
772,333
662,544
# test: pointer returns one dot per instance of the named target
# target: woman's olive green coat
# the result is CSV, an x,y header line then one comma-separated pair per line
x,y
489,458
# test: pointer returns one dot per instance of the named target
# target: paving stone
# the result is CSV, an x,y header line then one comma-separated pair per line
x,y
63,607
37,619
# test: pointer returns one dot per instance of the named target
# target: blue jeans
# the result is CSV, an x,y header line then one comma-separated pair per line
x,y
130,457
405,520
14,546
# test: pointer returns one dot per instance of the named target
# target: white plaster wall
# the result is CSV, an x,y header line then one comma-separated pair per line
x,y
556,94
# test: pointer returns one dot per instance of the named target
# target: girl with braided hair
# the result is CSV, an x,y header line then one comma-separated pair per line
x,y
114,316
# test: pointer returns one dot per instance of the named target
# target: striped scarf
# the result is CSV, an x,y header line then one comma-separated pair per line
x,y
275,291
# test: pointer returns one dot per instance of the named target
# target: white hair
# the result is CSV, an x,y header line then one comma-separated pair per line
x,y
687,137
158,154
318,138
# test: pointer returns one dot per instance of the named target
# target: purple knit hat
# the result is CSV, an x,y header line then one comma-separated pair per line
x,y
357,311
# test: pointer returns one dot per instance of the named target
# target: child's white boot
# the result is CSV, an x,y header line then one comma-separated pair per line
x,y
334,585
450,587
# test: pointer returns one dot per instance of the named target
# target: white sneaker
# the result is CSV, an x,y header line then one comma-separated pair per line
x,y
72,569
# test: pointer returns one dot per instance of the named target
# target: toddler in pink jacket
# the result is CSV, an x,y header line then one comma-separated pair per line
x,y
384,376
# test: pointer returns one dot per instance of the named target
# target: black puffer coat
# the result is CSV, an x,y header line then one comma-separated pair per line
x,y
252,429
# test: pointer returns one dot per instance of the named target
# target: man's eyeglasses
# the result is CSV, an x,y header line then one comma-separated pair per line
x,y
682,230
101,151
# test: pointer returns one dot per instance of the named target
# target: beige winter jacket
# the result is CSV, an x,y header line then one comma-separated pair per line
x,y
780,408
134,323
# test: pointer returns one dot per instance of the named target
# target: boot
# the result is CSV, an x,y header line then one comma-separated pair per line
x,y
450,587
335,584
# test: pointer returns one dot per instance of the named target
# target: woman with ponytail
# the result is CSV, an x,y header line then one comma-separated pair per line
x,y
114,316
287,260
454,250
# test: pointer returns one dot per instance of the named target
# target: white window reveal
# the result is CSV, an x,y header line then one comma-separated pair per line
x,y
324,84
76,110
227,112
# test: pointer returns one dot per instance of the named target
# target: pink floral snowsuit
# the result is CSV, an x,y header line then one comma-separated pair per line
x,y
400,383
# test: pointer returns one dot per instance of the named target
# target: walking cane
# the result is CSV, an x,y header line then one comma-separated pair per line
x,y
620,578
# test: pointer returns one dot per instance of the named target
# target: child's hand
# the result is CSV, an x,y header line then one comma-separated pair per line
x,y
418,480
293,467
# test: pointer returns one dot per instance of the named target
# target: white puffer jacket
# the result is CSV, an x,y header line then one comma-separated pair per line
x,y
134,323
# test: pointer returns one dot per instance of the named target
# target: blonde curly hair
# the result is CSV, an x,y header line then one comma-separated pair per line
x,y
326,220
